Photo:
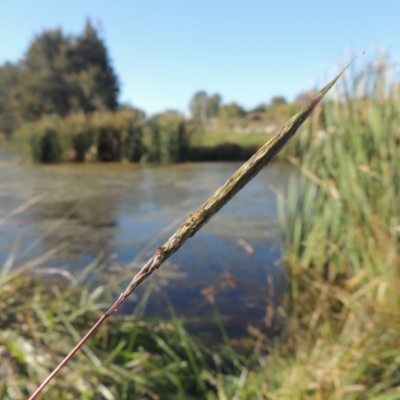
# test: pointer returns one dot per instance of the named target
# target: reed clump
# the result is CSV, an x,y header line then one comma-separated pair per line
x,y
341,229
100,136
124,135
169,137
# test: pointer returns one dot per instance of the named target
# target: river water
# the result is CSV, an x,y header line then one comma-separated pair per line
x,y
113,216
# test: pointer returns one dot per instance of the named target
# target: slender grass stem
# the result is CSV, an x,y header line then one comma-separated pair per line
x,y
199,218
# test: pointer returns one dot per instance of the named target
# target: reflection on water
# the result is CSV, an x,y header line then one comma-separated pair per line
x,y
124,212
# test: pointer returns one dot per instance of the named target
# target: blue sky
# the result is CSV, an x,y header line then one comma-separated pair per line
x,y
248,51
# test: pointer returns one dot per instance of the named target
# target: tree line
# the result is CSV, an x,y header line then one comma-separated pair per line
x,y
59,74
60,103
206,108
61,99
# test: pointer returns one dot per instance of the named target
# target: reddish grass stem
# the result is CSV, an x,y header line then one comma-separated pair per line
x,y
199,218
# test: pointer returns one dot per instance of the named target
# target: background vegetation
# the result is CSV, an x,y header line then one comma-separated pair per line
x,y
59,74
52,102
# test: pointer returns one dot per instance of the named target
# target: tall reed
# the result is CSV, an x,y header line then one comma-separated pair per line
x,y
343,215
341,229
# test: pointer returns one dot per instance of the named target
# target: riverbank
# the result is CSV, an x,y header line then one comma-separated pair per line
x,y
126,136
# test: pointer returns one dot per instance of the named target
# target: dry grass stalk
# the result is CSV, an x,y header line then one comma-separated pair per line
x,y
199,218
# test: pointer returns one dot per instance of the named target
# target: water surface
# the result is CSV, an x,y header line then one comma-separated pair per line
x,y
119,214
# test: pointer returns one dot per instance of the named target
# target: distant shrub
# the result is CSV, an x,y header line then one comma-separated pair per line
x,y
170,138
78,126
133,148
119,135
107,133
43,140
102,136
49,149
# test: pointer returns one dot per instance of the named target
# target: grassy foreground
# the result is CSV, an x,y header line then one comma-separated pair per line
x,y
125,360
341,232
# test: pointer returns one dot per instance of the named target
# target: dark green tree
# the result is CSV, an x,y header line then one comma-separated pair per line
x,y
58,75
92,82
43,89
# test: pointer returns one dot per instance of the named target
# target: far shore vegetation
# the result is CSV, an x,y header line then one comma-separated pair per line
x,y
60,104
